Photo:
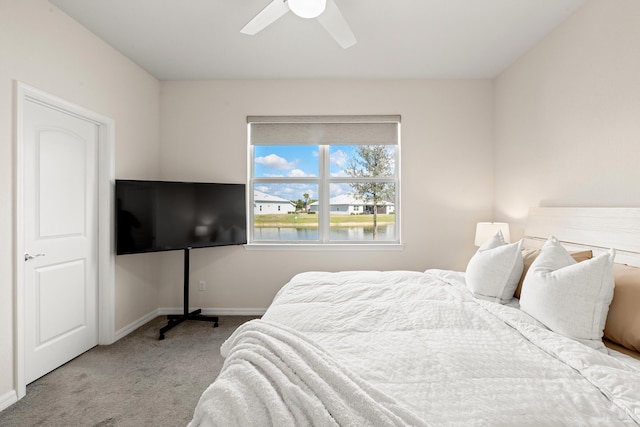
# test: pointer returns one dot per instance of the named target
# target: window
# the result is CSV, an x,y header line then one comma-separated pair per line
x,y
324,179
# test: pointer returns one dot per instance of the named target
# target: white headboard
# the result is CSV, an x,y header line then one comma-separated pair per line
x,y
598,229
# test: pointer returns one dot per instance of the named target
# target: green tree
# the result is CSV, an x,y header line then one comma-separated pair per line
x,y
306,201
303,205
299,204
372,161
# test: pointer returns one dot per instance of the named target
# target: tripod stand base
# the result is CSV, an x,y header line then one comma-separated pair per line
x,y
174,320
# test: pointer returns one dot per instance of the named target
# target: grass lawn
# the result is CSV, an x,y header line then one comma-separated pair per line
x,y
304,219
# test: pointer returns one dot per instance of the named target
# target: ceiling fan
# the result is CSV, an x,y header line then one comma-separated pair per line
x,y
325,11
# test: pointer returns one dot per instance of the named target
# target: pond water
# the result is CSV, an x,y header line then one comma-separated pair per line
x,y
385,233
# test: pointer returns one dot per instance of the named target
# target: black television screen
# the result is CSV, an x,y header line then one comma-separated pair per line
x,y
156,216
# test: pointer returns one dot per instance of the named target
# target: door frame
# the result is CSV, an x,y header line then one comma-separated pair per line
x,y
106,257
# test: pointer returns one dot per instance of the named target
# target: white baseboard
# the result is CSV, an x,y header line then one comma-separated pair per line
x,y
135,325
121,333
8,399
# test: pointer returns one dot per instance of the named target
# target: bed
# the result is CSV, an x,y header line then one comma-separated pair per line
x,y
452,348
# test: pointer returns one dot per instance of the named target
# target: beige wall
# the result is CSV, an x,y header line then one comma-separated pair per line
x,y
568,116
43,48
447,173
559,127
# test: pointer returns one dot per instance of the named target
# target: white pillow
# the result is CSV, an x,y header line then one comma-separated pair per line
x,y
570,298
494,271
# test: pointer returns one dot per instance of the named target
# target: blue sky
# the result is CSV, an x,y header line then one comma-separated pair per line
x,y
286,160
299,161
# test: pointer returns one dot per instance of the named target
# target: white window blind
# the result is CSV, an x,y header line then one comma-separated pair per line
x,y
332,130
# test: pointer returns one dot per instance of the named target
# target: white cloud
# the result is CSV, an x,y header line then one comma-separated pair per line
x,y
339,158
339,189
286,192
273,161
289,191
298,173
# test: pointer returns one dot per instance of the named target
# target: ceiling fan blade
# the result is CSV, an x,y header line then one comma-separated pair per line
x,y
271,13
335,24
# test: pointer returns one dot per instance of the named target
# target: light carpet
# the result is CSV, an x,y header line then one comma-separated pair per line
x,y
137,381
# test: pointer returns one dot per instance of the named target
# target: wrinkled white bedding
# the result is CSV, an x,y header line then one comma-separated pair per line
x,y
422,339
274,375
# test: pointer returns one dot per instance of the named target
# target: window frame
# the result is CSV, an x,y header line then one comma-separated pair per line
x,y
324,180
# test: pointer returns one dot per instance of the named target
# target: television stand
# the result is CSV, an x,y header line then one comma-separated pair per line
x,y
174,320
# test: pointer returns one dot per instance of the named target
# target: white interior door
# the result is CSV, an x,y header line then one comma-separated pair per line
x,y
60,237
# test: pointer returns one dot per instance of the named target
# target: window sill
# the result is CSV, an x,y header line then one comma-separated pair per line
x,y
324,247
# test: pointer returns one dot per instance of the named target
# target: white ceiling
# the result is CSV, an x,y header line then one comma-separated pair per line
x,y
201,39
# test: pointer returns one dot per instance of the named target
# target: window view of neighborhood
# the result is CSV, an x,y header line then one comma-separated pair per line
x,y
359,182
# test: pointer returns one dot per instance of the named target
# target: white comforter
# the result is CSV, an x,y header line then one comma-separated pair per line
x,y
274,376
422,339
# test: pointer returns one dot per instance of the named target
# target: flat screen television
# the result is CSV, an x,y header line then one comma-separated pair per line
x,y
153,216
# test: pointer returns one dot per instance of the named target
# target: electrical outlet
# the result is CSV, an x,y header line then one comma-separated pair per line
x,y
202,285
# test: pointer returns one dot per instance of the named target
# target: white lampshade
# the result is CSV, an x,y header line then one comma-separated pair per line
x,y
307,8
486,230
